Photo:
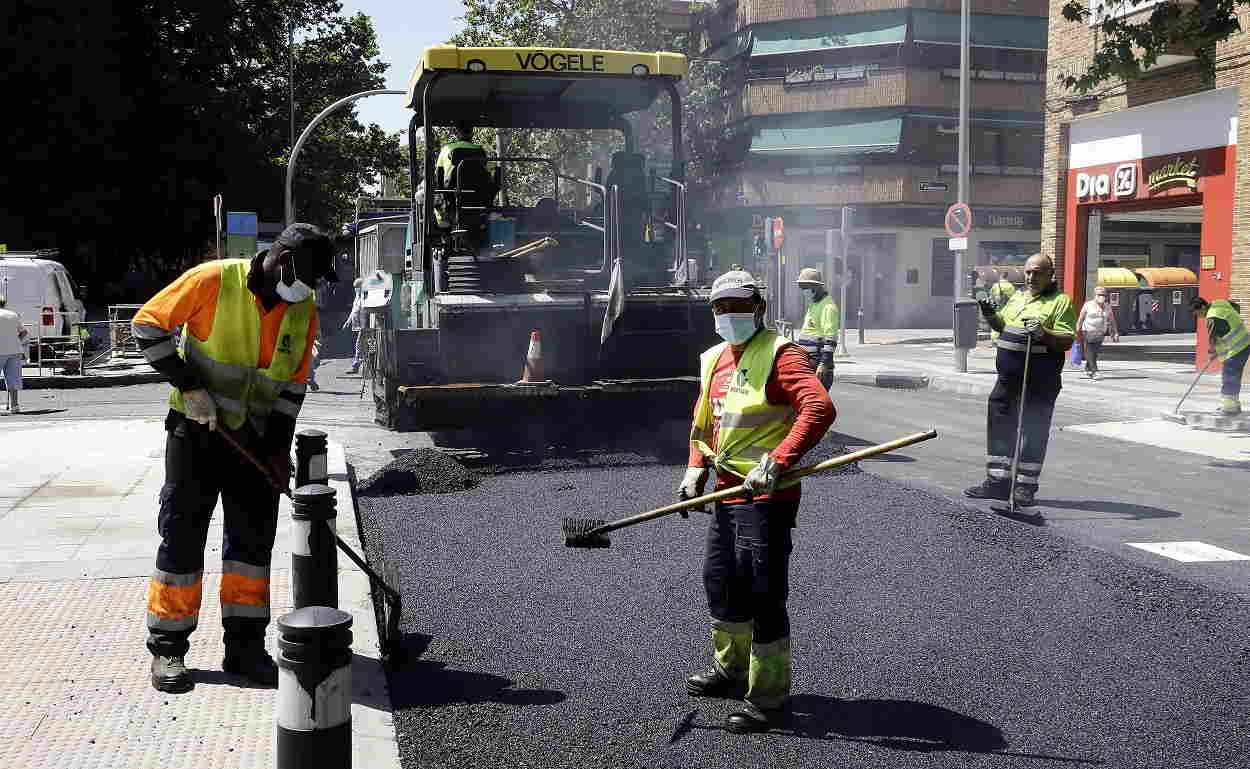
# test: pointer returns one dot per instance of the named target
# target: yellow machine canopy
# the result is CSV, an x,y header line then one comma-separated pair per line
x,y
539,87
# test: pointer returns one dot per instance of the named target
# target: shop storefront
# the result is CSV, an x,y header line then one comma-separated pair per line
x,y
1174,154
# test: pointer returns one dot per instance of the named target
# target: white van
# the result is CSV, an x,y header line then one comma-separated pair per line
x,y
42,292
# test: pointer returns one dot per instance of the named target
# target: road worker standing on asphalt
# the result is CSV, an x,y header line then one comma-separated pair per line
x,y
760,409
1229,341
1044,313
248,331
819,334
1001,292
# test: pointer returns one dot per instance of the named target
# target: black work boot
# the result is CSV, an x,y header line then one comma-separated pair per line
x,y
1025,496
989,489
170,674
714,683
751,720
253,663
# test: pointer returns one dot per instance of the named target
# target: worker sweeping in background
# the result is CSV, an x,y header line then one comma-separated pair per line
x,y
1044,313
760,409
819,334
1001,292
1229,341
243,366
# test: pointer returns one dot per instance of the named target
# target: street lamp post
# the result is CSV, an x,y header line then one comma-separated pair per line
x,y
290,166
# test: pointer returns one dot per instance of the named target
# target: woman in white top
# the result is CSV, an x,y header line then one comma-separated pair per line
x,y
1096,323
12,353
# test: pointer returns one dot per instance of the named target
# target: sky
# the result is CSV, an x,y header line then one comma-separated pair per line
x,y
405,28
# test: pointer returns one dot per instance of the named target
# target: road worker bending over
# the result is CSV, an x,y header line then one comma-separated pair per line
x,y
248,331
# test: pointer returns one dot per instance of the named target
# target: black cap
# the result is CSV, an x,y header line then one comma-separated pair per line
x,y
312,245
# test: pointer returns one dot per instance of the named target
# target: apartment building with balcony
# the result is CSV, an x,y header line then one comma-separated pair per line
x,y
856,104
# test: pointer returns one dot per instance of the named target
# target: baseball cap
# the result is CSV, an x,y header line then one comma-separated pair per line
x,y
312,246
735,284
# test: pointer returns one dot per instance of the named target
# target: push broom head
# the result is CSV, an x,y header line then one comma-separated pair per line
x,y
577,533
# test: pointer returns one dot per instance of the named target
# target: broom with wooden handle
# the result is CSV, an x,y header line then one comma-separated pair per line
x,y
589,533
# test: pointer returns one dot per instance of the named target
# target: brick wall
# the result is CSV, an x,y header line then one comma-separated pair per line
x,y
1070,45
888,88
760,11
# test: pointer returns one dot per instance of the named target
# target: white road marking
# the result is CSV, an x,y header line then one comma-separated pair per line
x,y
1232,449
1189,552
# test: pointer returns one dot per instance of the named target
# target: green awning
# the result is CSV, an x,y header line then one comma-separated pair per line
x,y
990,30
874,28
879,134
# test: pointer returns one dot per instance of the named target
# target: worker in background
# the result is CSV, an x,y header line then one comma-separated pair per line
x,y
1001,291
760,409
1045,314
819,334
355,319
12,353
443,167
1228,340
243,367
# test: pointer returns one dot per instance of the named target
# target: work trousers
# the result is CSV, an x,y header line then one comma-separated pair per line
x,y
199,467
746,574
1230,374
1004,405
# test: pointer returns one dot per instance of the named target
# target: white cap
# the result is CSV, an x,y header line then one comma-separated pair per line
x,y
736,284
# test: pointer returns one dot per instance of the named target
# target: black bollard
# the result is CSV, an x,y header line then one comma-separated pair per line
x,y
315,689
311,458
314,559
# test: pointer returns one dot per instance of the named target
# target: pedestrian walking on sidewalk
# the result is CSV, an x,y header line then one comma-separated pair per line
x,y
1044,313
1095,323
12,354
760,409
1228,340
243,366
355,318
819,334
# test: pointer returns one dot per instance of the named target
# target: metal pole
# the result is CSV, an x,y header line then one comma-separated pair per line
x,y
962,190
314,708
847,214
303,137
290,75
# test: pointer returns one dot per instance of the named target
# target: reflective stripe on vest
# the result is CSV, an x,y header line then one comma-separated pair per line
x,y
1237,339
750,426
227,361
1015,338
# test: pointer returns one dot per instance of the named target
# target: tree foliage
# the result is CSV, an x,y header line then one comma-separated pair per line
x,y
1126,48
125,118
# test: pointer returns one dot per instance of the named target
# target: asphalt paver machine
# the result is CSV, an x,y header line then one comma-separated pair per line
x,y
486,267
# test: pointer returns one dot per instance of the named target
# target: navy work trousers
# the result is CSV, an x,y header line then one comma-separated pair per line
x,y
199,467
746,569
1003,415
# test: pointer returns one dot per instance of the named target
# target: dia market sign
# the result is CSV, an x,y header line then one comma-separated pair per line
x,y
1173,173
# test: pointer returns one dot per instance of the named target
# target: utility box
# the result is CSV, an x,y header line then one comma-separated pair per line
x,y
967,318
381,247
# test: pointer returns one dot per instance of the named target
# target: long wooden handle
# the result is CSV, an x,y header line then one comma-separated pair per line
x,y
250,457
734,491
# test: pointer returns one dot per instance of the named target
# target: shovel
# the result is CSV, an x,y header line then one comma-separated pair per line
x,y
588,533
391,640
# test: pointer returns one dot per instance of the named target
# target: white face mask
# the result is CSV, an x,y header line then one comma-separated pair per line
x,y
298,291
735,327
1100,299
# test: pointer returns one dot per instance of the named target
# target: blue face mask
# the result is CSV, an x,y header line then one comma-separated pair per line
x,y
735,327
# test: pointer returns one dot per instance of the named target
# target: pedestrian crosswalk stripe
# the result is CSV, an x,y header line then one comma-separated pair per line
x,y
1189,552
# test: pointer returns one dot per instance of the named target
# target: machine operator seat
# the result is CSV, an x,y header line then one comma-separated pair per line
x,y
628,174
479,188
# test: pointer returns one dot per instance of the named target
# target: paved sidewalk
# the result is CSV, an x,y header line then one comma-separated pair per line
x,y
78,516
113,372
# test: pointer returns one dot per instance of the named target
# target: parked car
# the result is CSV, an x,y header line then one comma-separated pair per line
x,y
41,291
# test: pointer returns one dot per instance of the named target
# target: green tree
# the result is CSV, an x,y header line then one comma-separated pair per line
x,y
1126,48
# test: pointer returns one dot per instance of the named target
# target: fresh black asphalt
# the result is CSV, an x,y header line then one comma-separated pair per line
x,y
926,634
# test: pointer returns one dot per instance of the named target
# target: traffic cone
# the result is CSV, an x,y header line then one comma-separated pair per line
x,y
533,371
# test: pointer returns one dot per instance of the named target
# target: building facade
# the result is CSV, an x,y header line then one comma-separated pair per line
x,y
1148,168
856,104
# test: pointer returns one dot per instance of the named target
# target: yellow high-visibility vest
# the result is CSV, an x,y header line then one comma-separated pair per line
x,y
1237,339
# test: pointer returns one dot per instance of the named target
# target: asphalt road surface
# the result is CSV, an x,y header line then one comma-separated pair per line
x,y
926,634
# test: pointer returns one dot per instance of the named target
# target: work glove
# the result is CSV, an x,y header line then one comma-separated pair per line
x,y
201,407
1034,327
762,479
821,370
987,308
692,486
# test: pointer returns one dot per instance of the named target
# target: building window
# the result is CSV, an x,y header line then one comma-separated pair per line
x,y
942,275
1005,252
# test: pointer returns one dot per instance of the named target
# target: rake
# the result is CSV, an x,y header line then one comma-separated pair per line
x,y
591,533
